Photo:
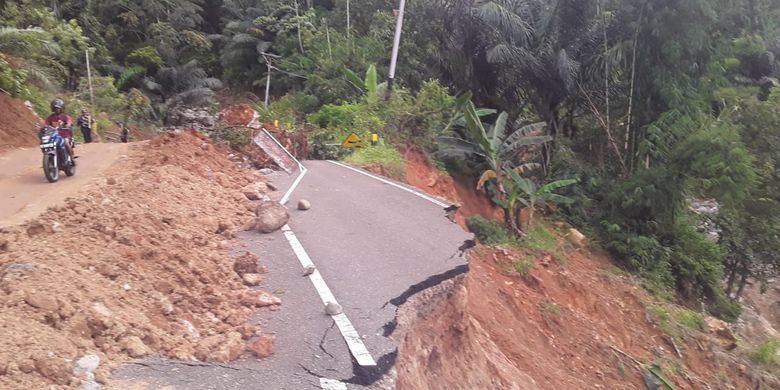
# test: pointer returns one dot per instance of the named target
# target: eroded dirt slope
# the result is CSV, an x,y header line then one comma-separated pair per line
x,y
135,265
553,329
18,125
565,325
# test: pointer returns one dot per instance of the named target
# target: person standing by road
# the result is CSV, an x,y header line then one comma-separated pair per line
x,y
124,136
86,123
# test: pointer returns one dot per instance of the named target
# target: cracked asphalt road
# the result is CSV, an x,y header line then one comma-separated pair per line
x,y
371,242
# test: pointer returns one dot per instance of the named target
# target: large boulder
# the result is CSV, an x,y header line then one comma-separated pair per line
x,y
255,191
722,332
271,216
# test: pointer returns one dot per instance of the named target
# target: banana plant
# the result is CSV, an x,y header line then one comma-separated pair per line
x,y
491,145
368,85
526,192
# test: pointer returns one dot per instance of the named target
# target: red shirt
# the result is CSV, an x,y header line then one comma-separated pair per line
x,y
54,118
67,122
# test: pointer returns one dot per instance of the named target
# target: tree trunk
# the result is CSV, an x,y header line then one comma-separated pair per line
x,y
731,279
510,221
627,150
742,283
297,17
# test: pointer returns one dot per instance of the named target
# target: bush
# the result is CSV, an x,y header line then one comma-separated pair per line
x,y
39,100
235,137
386,156
12,80
489,232
674,320
289,110
523,267
107,97
766,352
326,145
347,118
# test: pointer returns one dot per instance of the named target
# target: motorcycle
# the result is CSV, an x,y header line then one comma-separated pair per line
x,y
55,154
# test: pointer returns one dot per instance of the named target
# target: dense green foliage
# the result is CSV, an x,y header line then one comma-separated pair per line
x,y
648,104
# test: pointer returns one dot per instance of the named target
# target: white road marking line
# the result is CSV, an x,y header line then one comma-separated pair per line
x,y
420,194
297,181
351,336
332,384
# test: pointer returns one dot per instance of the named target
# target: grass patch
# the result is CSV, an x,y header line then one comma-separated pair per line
x,y
490,232
550,310
766,352
539,238
523,267
386,156
612,273
674,321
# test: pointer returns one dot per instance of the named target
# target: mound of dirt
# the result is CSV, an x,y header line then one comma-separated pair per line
x,y
237,115
421,173
554,328
137,265
18,124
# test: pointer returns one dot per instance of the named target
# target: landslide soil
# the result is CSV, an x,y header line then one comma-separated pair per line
x,y
18,126
421,173
137,264
552,329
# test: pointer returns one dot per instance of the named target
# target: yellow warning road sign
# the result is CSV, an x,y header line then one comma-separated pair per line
x,y
352,141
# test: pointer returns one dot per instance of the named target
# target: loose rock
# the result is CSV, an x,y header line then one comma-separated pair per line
x,y
134,346
252,279
246,264
87,363
41,301
27,366
309,270
578,239
259,299
56,369
333,309
221,349
255,191
263,347
271,216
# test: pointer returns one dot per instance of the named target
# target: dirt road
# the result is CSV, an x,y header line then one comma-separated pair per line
x,y
24,191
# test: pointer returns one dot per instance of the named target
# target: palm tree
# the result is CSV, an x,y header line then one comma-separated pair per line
x,y
517,52
34,47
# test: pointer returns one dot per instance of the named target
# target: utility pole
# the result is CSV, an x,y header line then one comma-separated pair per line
x,y
89,81
348,41
396,42
267,80
298,19
327,36
267,57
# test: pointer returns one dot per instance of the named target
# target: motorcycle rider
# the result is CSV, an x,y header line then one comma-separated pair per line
x,y
62,122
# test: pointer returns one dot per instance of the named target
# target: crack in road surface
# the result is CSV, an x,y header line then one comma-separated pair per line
x,y
324,336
